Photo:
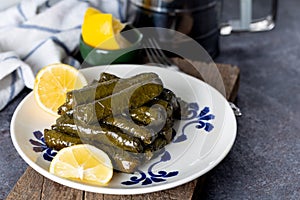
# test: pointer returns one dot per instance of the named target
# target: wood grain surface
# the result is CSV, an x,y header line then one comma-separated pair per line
x,y
34,186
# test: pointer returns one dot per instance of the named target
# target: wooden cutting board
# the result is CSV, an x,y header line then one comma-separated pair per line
x,y
34,186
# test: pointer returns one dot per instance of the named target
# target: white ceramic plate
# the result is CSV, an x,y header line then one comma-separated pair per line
x,y
201,142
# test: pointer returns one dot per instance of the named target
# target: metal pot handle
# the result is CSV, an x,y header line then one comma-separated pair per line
x,y
245,23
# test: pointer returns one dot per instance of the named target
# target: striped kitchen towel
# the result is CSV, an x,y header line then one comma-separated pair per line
x,y
33,34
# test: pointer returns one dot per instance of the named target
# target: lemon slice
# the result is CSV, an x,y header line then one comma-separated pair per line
x,y
83,163
99,29
53,82
117,26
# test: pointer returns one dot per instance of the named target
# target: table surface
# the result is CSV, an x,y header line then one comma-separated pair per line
x,y
264,161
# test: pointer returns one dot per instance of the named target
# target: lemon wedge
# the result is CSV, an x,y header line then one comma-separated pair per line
x,y
100,29
52,84
84,163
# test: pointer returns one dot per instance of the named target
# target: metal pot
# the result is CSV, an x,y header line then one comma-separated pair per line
x,y
199,19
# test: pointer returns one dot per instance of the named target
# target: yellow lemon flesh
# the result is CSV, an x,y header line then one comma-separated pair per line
x,y
99,29
83,163
52,84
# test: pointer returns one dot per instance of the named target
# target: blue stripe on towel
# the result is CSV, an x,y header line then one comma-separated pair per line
x,y
72,62
61,44
21,11
55,40
12,85
21,72
120,12
33,50
40,28
8,58
48,4
46,29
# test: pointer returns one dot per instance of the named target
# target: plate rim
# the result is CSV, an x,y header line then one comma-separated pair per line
x,y
126,190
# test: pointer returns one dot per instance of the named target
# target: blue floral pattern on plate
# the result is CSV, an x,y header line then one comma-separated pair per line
x,y
39,145
201,120
152,177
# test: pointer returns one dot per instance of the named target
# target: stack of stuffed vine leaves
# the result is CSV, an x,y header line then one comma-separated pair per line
x,y
131,119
